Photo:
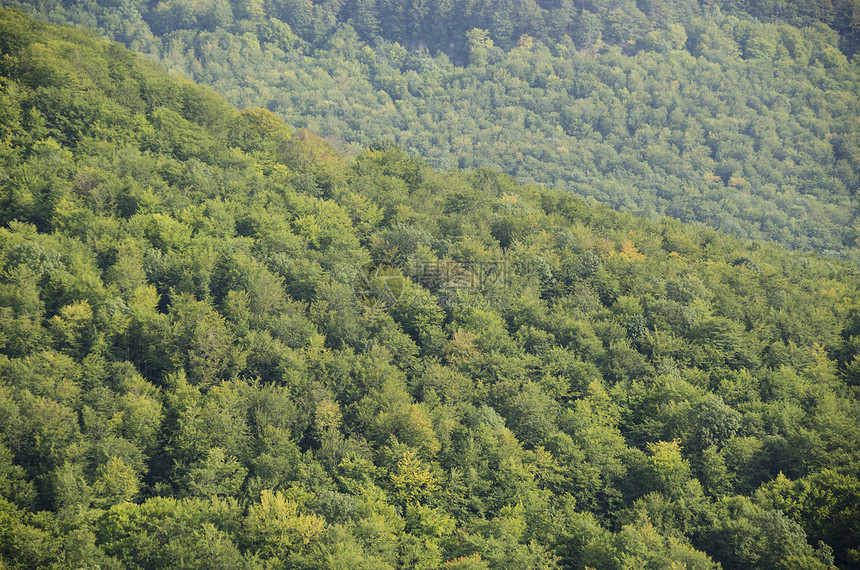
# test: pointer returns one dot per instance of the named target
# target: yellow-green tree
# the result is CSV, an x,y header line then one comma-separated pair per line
x,y
278,527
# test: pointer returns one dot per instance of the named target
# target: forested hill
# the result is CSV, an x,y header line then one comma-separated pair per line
x,y
225,345
656,108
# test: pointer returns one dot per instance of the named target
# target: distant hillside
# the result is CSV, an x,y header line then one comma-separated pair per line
x,y
657,109
223,344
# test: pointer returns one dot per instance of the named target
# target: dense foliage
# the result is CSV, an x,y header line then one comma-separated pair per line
x,y
745,126
444,26
225,345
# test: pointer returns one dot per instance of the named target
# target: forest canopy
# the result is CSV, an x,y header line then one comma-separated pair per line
x,y
223,343
738,115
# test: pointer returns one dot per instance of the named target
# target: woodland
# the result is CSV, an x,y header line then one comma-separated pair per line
x,y
738,115
229,342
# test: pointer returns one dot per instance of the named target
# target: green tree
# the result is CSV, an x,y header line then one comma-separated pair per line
x,y
479,43
115,483
745,534
824,504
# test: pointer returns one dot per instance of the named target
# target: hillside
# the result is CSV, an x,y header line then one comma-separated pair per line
x,y
224,344
666,109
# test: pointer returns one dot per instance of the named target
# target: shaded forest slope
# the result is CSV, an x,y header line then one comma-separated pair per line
x,y
749,126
